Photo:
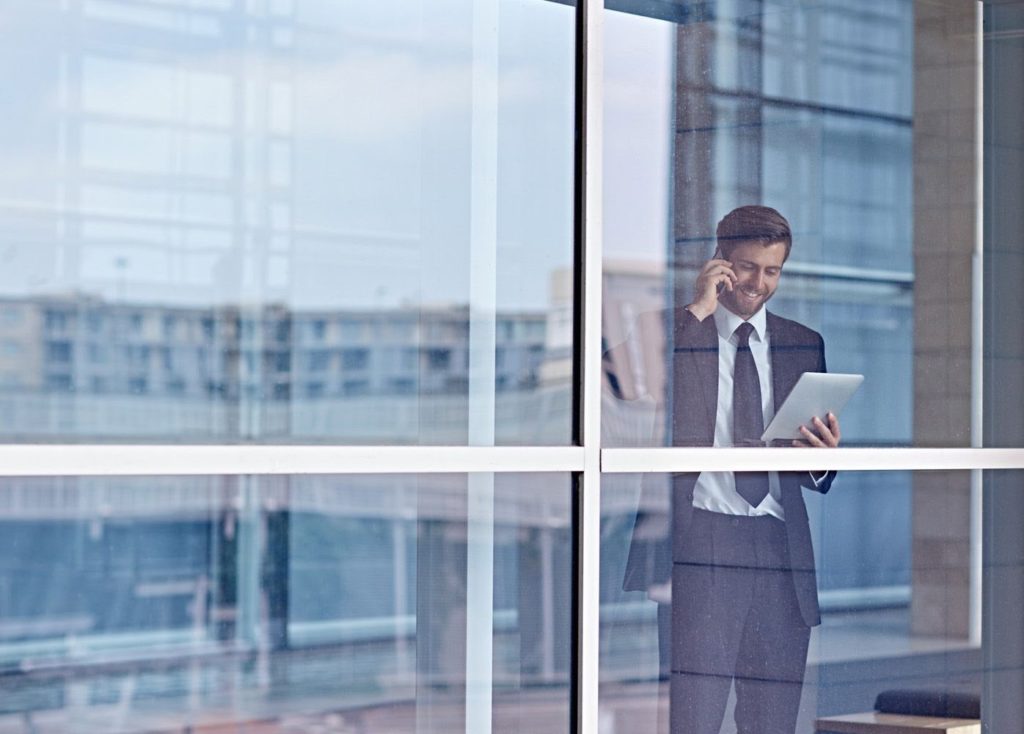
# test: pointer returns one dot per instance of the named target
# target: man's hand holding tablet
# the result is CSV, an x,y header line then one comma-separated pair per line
x,y
818,394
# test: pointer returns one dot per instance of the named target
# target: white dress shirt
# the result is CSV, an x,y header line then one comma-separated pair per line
x,y
716,491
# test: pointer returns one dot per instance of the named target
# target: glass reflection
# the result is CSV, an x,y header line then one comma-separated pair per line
x,y
837,116
859,123
288,221
900,588
290,603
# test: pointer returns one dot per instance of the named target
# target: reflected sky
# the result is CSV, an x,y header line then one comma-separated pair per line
x,y
314,153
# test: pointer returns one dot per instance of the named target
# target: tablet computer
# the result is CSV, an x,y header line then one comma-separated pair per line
x,y
815,394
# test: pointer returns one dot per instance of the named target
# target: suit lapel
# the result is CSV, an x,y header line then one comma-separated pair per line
x,y
707,368
783,359
787,359
776,350
696,352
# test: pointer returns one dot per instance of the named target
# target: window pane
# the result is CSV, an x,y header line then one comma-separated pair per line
x,y
857,122
915,589
296,603
292,221
1004,225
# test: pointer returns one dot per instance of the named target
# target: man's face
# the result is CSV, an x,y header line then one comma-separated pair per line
x,y
757,269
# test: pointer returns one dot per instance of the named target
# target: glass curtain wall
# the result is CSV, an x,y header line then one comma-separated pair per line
x,y
304,425
790,185
282,603
806,108
288,222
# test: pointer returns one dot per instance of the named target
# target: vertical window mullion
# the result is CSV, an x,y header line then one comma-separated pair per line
x,y
587,349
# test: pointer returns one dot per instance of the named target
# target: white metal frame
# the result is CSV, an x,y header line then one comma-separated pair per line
x,y
49,460
587,460
590,59
624,461
83,460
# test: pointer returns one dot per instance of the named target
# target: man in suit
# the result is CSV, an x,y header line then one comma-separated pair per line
x,y
737,554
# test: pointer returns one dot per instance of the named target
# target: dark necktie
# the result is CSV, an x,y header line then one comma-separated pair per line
x,y
747,418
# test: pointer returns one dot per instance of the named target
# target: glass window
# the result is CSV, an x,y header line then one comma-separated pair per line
x,y
293,602
355,168
1003,345
311,221
889,581
845,133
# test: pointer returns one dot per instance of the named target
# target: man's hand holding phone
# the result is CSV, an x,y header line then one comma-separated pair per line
x,y
716,275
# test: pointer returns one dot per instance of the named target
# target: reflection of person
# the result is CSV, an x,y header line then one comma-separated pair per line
x,y
741,565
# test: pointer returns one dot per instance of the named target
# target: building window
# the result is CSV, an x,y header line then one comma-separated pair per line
x,y
58,352
355,388
318,361
438,359
59,383
355,359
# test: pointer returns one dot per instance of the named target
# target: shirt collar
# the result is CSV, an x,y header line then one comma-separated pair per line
x,y
727,322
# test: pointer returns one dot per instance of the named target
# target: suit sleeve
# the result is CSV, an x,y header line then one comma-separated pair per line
x,y
649,559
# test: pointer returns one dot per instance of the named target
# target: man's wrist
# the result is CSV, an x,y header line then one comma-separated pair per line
x,y
699,312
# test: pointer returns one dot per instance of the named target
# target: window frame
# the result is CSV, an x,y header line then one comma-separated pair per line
x,y
585,459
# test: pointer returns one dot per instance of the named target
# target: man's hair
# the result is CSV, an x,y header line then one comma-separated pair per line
x,y
751,223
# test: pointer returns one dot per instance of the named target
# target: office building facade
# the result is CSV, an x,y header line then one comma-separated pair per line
x,y
336,340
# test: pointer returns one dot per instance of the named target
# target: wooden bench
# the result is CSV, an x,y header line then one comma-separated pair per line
x,y
873,722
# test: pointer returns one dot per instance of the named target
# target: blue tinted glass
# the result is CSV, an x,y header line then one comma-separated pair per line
x,y
910,586
855,127
287,221
287,603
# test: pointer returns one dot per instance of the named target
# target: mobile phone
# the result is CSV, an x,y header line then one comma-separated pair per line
x,y
718,256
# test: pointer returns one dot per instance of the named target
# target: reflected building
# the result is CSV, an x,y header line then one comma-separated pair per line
x,y
236,222
267,566
330,592
95,370
256,222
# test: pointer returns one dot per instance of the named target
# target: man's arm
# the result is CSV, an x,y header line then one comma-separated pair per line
x,y
823,436
820,481
716,275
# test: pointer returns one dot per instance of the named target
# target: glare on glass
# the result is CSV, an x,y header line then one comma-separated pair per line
x,y
287,222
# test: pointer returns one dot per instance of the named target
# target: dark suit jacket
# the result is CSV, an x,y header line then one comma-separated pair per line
x,y
794,349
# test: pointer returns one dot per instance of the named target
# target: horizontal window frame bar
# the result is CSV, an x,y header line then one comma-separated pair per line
x,y
79,460
677,460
